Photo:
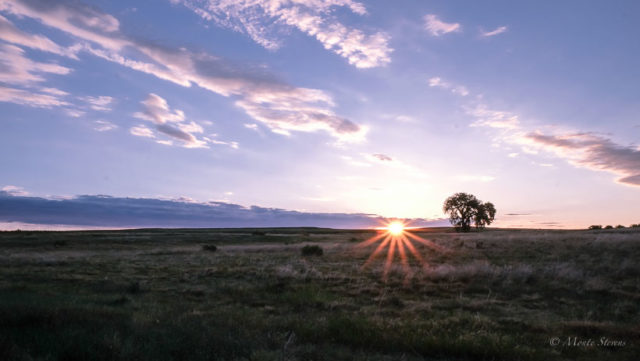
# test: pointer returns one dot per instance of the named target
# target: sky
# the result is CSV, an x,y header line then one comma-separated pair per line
x,y
325,111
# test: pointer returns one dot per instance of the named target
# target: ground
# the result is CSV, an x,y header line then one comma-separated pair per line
x,y
169,295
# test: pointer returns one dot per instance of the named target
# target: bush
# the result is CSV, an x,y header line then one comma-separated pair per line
x,y
258,233
608,227
312,251
134,287
595,226
209,248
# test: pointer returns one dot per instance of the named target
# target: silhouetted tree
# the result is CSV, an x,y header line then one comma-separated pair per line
x,y
485,214
463,208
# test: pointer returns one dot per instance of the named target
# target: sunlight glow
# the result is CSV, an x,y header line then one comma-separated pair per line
x,y
396,238
396,228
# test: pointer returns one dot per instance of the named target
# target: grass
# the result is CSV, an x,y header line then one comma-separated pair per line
x,y
163,295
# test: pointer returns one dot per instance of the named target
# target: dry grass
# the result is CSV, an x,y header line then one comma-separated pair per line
x,y
156,295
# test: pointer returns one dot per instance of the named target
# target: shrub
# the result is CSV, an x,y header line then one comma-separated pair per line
x,y
595,226
312,251
209,248
608,227
258,233
134,287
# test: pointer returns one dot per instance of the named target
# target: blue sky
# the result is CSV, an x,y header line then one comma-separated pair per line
x,y
334,106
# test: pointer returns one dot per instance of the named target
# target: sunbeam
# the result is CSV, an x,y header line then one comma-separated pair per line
x,y
396,238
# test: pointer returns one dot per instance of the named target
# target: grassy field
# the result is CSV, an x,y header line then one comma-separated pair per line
x,y
169,295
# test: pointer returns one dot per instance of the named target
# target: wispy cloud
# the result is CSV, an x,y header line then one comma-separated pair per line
x,y
11,34
29,98
104,125
382,157
100,103
263,20
498,30
169,122
581,149
18,69
108,211
455,89
437,27
400,167
142,131
493,118
594,152
280,106
251,126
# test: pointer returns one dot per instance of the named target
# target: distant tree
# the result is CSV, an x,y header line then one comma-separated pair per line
x,y
485,214
635,225
608,227
595,226
620,226
464,208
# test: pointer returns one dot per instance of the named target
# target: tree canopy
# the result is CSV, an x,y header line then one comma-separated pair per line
x,y
465,208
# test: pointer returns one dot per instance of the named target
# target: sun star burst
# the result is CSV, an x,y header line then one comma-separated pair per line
x,y
396,238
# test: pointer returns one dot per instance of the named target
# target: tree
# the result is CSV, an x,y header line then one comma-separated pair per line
x,y
485,214
463,208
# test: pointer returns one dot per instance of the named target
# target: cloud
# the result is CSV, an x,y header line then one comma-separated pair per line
x,y
493,118
11,34
71,17
142,131
106,211
99,103
404,118
16,68
398,166
437,27
251,126
75,113
233,145
495,32
169,122
455,89
581,149
382,157
263,19
32,99
280,106
104,125
14,191
54,91
593,152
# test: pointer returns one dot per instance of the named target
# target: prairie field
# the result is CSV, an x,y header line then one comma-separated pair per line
x,y
168,294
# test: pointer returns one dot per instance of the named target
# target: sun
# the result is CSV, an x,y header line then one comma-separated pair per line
x,y
395,228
